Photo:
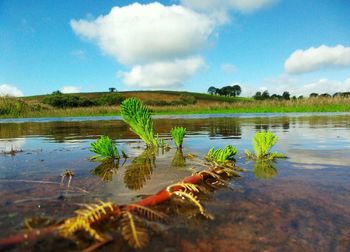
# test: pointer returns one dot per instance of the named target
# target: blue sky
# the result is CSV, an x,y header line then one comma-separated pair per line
x,y
293,45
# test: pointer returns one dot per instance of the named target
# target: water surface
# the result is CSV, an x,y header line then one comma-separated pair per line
x,y
298,204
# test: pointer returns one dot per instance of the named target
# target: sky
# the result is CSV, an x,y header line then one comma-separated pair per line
x,y
91,45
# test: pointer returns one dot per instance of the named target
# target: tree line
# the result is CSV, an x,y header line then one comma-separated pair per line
x,y
234,90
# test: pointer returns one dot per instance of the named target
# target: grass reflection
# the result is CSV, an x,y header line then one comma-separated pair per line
x,y
179,159
106,170
140,170
264,169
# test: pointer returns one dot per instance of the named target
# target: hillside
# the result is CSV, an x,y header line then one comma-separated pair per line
x,y
202,99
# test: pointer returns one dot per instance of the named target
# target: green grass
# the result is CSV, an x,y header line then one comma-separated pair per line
x,y
31,106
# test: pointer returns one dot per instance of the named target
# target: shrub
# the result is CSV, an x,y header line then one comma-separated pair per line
x,y
67,101
111,99
188,99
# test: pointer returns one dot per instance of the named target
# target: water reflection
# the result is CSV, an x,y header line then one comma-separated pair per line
x,y
140,170
264,169
106,170
179,159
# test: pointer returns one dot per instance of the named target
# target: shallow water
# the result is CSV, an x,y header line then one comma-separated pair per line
x,y
298,204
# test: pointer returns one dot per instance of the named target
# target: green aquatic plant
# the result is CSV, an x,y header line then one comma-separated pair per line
x,y
178,134
104,149
264,169
179,159
262,143
138,116
221,156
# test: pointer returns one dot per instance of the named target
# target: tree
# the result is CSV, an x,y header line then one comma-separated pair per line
x,y
227,91
112,89
286,95
257,96
265,95
313,95
325,95
236,89
212,90
275,97
57,92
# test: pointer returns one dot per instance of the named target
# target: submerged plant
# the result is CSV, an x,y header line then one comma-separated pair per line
x,y
178,134
179,159
264,169
262,143
221,156
138,116
105,149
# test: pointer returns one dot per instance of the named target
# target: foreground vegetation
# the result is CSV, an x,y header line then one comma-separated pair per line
x,y
189,103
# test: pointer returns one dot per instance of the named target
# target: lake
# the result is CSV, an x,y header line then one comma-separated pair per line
x,y
301,203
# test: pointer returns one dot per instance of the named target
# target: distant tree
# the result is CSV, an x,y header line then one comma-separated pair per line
x,y
300,97
112,89
325,95
236,90
265,95
57,92
313,95
294,97
212,90
257,96
286,95
275,97
226,91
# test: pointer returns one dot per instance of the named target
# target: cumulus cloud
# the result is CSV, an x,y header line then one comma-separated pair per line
x,y
10,90
70,89
162,74
297,87
313,59
138,34
228,68
239,5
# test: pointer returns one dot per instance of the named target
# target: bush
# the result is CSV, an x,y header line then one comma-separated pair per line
x,y
111,99
157,103
16,107
188,99
67,101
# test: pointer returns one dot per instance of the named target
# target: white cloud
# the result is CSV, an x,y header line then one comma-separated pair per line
x,y
139,34
10,90
70,89
239,5
313,59
228,68
162,74
297,87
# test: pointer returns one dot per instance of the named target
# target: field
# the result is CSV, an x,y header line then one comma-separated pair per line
x,y
159,101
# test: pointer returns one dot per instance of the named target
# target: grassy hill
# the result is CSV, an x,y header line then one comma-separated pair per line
x,y
169,96
165,102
